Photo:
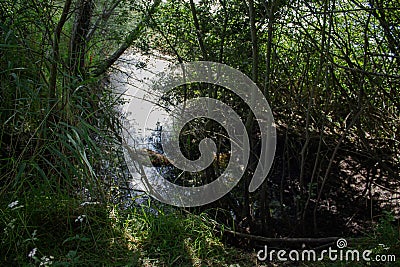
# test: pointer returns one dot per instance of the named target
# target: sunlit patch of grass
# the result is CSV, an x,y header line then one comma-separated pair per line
x,y
60,231
174,238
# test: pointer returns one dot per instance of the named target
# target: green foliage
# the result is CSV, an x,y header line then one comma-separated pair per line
x,y
60,159
53,146
328,68
60,231
387,236
170,238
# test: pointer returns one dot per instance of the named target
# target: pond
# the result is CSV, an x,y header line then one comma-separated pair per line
x,y
133,79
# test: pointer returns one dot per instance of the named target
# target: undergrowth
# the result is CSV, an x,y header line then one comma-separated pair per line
x,y
60,231
60,164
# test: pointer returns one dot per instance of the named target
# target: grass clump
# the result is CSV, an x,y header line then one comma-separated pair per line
x,y
61,231
177,239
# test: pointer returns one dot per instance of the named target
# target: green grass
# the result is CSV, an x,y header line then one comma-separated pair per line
x,y
176,239
65,231
54,227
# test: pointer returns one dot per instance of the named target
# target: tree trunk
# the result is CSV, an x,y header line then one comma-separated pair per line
x,y
78,38
56,49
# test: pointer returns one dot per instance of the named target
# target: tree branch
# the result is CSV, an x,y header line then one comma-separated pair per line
x,y
132,36
102,19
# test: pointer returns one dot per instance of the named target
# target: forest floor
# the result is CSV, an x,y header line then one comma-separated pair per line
x,y
66,232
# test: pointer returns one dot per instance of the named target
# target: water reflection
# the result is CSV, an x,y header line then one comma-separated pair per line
x,y
133,80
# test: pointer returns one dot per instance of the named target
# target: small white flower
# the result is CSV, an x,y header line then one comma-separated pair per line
x,y
46,261
13,204
80,218
32,253
90,203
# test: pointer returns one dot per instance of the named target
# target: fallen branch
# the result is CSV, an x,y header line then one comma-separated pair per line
x,y
284,239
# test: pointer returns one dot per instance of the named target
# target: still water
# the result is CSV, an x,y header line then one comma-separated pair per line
x,y
133,79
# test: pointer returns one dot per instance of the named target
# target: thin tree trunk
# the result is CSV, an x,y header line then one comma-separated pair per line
x,y
198,31
271,18
254,40
78,38
250,117
56,49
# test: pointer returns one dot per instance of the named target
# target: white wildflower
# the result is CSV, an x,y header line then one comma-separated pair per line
x,y
13,204
46,261
32,253
80,218
90,203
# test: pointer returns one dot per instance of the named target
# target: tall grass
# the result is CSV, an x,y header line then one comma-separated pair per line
x,y
52,151
50,163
